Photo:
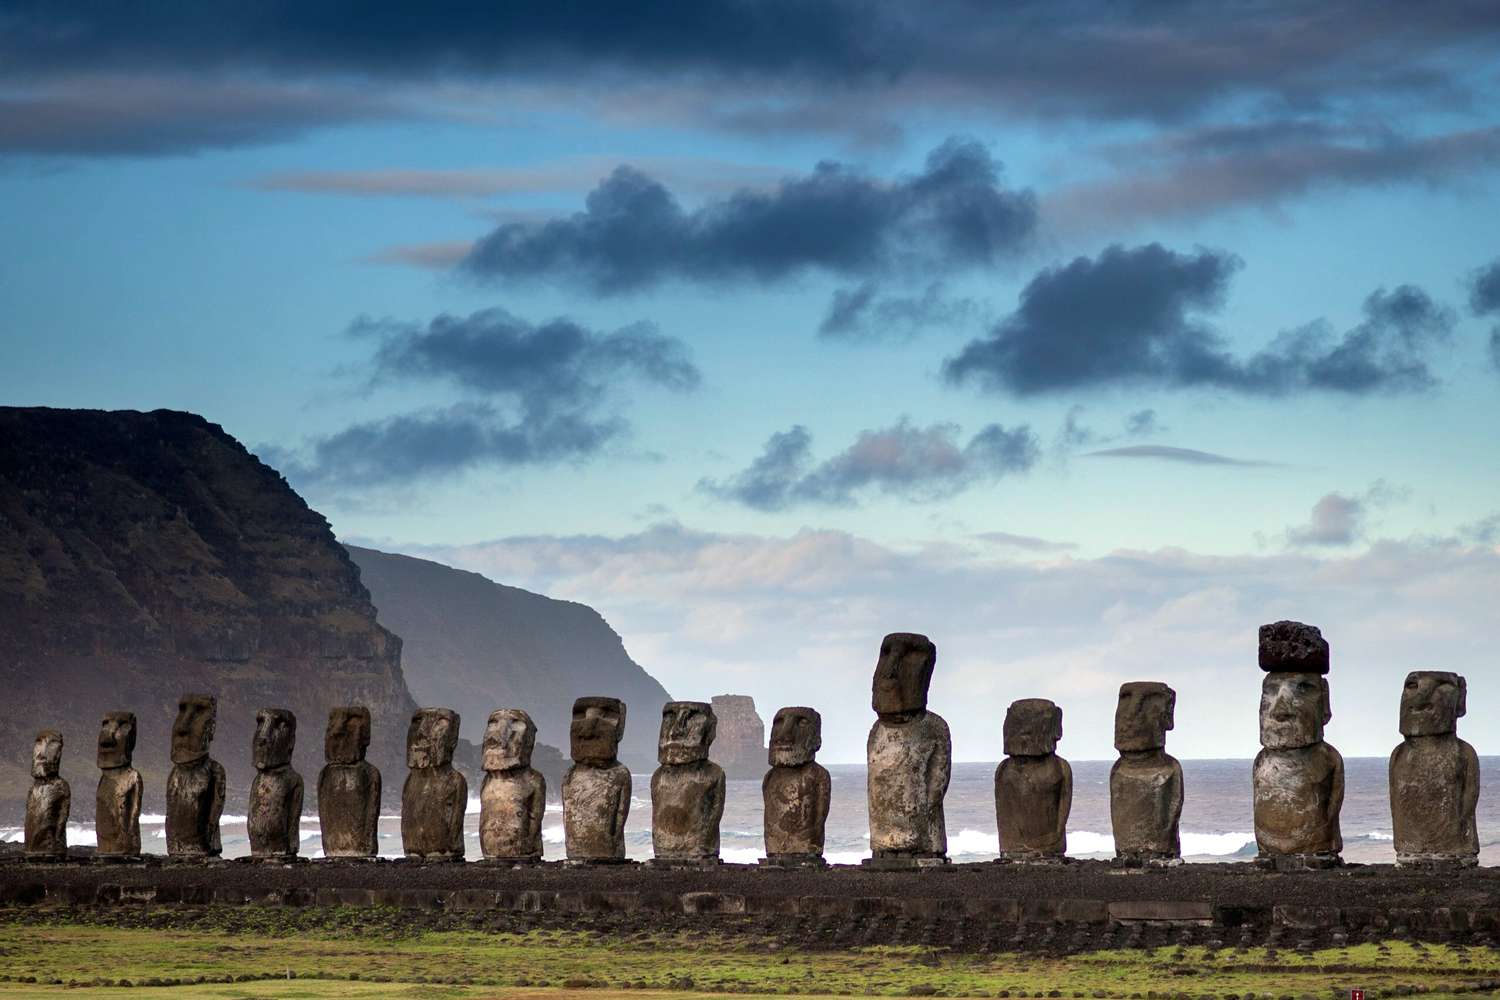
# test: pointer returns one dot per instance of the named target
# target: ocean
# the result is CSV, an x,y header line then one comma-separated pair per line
x,y
1216,817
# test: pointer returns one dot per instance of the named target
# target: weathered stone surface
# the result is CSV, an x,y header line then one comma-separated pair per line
x,y
196,786
435,795
1434,775
275,812
797,789
348,786
1297,779
1145,784
740,746
909,754
49,800
1293,646
687,790
1033,785
596,790
513,797
117,803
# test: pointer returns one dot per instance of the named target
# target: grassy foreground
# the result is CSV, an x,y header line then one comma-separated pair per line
x,y
382,959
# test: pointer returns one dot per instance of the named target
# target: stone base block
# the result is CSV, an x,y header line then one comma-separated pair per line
x,y
273,859
1030,858
1298,862
683,864
1437,862
45,859
596,862
443,858
509,862
907,863
793,861
354,859
1145,862
118,859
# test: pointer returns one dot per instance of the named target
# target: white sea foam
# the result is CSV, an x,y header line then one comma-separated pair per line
x,y
973,842
1379,835
1087,844
552,835
1215,844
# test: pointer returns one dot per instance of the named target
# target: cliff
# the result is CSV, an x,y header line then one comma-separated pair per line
x,y
147,554
740,746
477,645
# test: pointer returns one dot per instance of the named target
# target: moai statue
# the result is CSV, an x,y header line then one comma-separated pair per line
x,y
276,793
117,804
1145,785
1434,775
348,786
596,789
909,755
435,795
49,800
1033,785
195,788
1298,779
513,797
796,789
687,790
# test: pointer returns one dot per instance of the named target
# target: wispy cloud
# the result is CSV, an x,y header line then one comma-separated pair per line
x,y
1167,453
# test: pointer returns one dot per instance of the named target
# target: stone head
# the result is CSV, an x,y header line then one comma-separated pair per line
x,y
509,739
1432,702
1293,647
193,730
902,675
1032,727
46,755
687,730
348,735
1294,708
431,738
594,734
1145,713
275,736
116,740
796,736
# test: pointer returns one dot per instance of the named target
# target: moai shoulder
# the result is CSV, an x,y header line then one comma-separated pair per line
x,y
687,790
435,795
513,797
1033,785
596,790
1145,783
908,757
349,787
1434,775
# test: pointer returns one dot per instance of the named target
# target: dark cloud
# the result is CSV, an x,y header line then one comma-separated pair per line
x,y
1188,456
1495,349
904,461
1485,531
633,233
1142,423
862,313
1484,290
1132,316
540,391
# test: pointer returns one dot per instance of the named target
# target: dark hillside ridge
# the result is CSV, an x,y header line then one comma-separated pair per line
x,y
477,645
143,555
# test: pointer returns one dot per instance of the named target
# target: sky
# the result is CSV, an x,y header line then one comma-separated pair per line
x,y
1082,337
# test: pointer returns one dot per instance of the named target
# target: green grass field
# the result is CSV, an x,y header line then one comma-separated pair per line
x,y
353,956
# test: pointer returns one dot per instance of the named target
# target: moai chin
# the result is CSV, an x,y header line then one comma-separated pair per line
x,y
513,797
435,795
276,792
48,801
348,787
195,788
1033,785
1298,779
909,756
796,789
117,804
1434,775
687,790
1145,784
596,789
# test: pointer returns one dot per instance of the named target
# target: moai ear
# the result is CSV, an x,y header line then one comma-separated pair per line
x,y
1463,696
1327,702
1171,712
1057,724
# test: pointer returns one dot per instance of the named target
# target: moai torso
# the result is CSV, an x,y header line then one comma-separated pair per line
x,y
195,788
435,795
348,787
49,800
596,789
275,815
117,801
909,753
1145,784
796,790
687,790
1434,775
1033,785
1297,779
513,796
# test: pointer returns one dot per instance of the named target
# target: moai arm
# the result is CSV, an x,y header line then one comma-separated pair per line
x,y
1174,801
536,806
1336,799
456,806
372,811
622,804
824,794
1065,800
294,816
1471,796
716,802
216,807
939,770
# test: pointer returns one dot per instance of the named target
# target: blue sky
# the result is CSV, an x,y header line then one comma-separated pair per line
x,y
1082,337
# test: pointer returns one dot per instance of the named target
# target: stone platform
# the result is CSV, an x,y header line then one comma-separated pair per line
x,y
1073,906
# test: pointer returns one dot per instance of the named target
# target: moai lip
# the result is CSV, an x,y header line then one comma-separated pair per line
x,y
909,757
513,796
687,790
796,790
349,787
1434,776
596,790
1033,785
48,801
117,801
1145,783
275,812
435,795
